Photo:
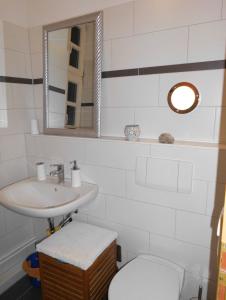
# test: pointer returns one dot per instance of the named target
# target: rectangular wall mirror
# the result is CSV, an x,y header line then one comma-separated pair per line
x,y
72,76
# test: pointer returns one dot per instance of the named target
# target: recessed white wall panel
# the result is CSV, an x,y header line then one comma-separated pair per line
x,y
195,201
150,49
162,174
194,228
153,218
114,120
207,42
118,21
154,121
132,91
159,14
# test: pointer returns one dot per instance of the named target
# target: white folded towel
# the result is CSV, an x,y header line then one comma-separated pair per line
x,y
77,243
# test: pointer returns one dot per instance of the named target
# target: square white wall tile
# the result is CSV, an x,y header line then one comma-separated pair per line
x,y
185,176
12,146
35,37
12,171
162,174
13,221
118,21
97,208
114,120
132,91
20,96
15,37
106,55
196,155
38,95
15,239
141,170
210,94
150,49
56,147
37,65
15,64
194,259
154,121
6,95
15,121
115,154
156,219
207,42
130,239
110,181
194,228
158,14
194,201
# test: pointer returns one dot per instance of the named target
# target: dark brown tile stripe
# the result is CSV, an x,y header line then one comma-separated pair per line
x,y
56,89
9,79
120,73
38,81
199,66
87,104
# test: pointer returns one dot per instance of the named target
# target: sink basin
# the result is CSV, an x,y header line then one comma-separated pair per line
x,y
46,199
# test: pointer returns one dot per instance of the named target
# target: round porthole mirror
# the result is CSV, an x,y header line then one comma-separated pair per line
x,y
183,97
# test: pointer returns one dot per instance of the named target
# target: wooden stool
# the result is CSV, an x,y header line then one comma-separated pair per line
x,y
85,276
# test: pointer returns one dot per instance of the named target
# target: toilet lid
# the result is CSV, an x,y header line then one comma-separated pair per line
x,y
144,279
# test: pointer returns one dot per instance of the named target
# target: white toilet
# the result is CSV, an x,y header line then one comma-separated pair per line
x,y
147,278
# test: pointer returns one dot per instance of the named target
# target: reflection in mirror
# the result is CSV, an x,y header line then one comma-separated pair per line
x,y
73,76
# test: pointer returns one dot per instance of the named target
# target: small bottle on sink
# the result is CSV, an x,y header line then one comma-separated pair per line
x,y
75,175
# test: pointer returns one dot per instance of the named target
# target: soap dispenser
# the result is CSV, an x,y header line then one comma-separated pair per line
x,y
75,175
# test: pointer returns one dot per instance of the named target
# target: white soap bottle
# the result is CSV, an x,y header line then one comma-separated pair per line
x,y
75,175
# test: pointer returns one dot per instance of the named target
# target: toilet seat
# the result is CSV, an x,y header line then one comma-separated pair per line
x,y
147,278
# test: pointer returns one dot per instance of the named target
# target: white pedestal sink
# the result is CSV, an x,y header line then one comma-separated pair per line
x,y
46,199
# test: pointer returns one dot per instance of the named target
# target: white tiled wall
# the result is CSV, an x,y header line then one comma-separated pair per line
x,y
180,226
157,33
16,109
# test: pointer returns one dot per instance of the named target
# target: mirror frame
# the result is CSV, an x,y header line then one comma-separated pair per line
x,y
97,17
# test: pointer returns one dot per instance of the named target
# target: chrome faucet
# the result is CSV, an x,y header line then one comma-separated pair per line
x,y
59,172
